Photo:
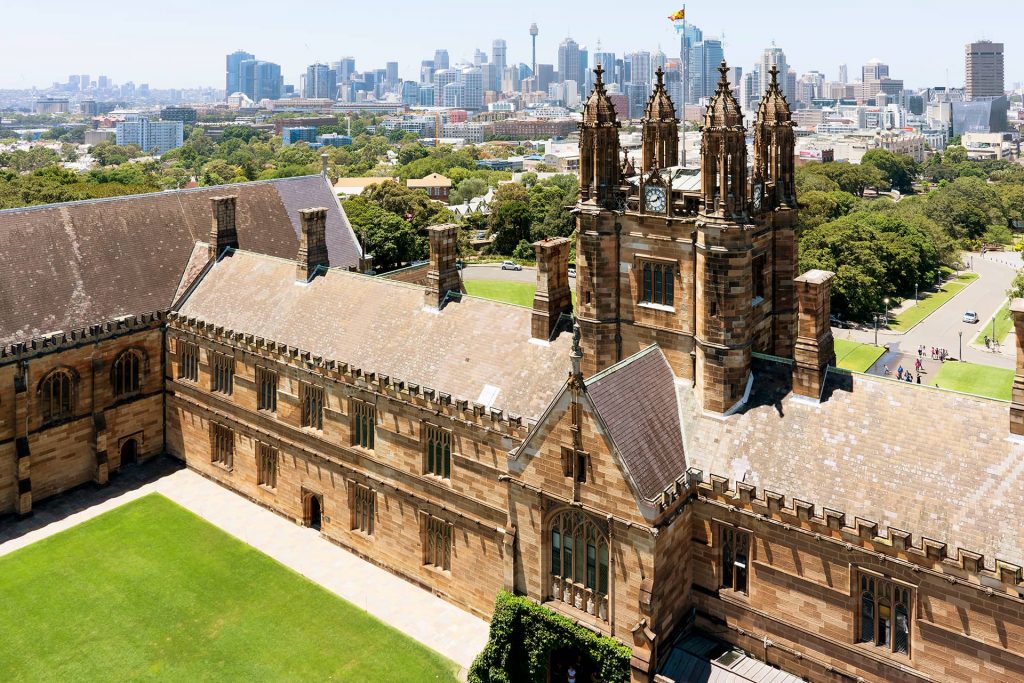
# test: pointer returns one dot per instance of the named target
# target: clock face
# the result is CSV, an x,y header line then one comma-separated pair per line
x,y
654,199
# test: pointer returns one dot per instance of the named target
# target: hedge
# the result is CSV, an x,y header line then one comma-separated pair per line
x,y
523,635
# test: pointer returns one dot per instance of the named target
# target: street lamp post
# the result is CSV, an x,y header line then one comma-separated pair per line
x,y
915,293
876,329
961,346
886,310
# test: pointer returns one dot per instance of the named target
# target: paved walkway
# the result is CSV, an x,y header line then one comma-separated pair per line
x,y
454,633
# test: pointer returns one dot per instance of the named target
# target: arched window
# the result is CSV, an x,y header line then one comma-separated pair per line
x,y
579,562
57,395
885,614
126,374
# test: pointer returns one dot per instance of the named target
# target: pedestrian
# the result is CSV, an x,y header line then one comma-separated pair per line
x,y
988,342
886,371
919,379
899,372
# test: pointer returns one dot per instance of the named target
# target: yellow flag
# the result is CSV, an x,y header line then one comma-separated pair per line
x,y
678,16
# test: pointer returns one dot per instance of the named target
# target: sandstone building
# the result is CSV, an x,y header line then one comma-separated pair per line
x,y
682,457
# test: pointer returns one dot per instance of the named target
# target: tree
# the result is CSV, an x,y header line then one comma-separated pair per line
x,y
468,189
523,251
391,239
411,204
817,207
965,208
1016,290
510,224
898,168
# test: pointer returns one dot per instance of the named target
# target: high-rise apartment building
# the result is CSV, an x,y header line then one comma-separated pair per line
x,y
472,80
440,59
774,56
569,60
150,136
260,80
442,78
321,82
233,71
984,70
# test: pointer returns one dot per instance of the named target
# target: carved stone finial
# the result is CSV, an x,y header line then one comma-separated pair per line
x,y
576,355
723,69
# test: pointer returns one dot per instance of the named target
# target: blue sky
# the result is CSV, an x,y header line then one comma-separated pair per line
x,y
183,43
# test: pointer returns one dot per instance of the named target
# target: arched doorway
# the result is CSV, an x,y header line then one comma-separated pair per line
x,y
315,512
129,452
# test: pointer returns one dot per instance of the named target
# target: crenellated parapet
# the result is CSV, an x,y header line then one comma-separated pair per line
x,y
62,341
428,399
897,546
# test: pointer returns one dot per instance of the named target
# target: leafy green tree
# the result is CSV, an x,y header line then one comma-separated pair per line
x,y
965,208
817,207
509,223
412,204
1016,290
32,159
901,170
391,239
523,251
468,189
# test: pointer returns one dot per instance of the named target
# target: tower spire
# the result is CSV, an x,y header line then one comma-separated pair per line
x,y
660,133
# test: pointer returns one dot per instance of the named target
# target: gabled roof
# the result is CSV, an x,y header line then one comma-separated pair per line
x,y
67,266
472,349
637,404
432,180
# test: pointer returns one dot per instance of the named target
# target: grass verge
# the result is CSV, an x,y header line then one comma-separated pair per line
x,y
150,591
929,302
855,356
518,293
971,378
1004,323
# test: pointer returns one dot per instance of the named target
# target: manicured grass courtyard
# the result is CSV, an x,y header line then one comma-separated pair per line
x,y
518,293
970,378
1004,323
150,591
929,302
855,356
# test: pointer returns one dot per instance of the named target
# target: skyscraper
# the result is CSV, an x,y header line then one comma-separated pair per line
x,y
774,56
569,61
844,77
984,70
499,54
705,57
233,71
344,68
440,59
640,68
391,76
443,77
321,82
260,80
472,80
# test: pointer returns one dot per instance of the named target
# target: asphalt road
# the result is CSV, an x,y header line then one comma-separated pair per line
x,y
494,272
942,328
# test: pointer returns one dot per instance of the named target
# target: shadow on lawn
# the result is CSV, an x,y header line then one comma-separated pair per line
x,y
87,495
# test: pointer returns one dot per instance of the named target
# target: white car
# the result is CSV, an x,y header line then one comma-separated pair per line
x,y
572,272
970,317
510,265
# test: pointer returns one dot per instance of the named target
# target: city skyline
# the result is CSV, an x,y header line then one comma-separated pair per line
x,y
295,43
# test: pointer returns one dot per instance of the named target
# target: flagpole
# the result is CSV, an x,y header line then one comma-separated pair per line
x,y
686,65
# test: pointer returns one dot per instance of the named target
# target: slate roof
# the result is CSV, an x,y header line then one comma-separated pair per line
x,y
931,462
637,404
66,266
474,349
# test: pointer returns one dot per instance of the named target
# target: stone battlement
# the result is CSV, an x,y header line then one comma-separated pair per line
x,y
61,341
824,524
427,398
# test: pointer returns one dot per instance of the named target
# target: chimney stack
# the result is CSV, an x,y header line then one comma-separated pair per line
x,y
1017,396
814,350
553,296
222,232
442,275
323,164
312,243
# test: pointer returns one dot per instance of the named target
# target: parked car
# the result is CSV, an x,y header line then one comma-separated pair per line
x,y
835,321
970,317
510,265
572,271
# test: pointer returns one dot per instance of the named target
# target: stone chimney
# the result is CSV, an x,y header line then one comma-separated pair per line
x,y
1017,396
553,296
814,350
442,274
312,243
222,232
323,164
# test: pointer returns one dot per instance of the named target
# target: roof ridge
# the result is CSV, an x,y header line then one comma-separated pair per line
x,y
620,365
158,193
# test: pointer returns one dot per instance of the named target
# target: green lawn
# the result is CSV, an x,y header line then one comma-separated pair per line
x,y
981,380
1004,323
855,356
929,302
519,293
150,591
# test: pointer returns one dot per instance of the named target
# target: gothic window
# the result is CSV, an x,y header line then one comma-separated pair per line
x,y
364,417
735,546
579,562
437,444
57,395
884,614
126,374
437,543
658,283
364,508
757,276
188,361
222,372
266,389
266,462
222,445
312,406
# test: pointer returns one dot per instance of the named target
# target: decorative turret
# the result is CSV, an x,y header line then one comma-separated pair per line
x,y
660,128
774,145
600,173
724,154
